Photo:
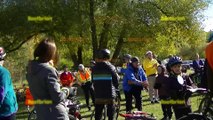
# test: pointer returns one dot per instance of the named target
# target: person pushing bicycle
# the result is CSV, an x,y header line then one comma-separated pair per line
x,y
105,81
178,88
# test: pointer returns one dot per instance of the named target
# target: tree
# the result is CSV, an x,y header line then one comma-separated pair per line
x,y
127,26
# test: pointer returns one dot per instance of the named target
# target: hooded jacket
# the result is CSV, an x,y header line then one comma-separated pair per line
x,y
45,88
8,102
130,75
162,83
105,80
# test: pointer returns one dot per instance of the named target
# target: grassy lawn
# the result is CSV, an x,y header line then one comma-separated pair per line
x,y
147,107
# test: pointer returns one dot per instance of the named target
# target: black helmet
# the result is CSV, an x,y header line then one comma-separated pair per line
x,y
135,59
127,56
104,54
2,53
174,60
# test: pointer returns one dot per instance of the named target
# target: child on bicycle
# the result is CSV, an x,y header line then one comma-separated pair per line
x,y
178,88
162,84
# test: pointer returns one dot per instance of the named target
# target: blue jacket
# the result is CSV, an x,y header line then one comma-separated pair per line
x,y
129,75
197,65
8,102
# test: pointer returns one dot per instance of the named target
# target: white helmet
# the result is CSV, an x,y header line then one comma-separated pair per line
x,y
81,67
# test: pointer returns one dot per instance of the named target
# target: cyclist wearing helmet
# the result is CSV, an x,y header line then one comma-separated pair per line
x,y
105,81
127,61
133,82
209,62
178,87
8,102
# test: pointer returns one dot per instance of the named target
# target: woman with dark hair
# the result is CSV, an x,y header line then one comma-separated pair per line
x,y
44,84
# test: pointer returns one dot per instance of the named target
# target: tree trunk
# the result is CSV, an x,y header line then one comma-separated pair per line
x,y
80,46
75,60
93,29
118,45
104,35
79,53
103,43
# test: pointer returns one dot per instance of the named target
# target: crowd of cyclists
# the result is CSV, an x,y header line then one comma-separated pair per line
x,y
100,82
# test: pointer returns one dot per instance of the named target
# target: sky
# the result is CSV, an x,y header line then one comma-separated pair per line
x,y
208,14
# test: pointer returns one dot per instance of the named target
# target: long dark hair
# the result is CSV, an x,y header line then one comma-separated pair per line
x,y
46,50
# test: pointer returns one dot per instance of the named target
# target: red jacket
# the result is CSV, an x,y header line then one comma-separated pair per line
x,y
66,79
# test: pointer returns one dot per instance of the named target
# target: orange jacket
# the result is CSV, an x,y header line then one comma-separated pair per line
x,y
209,54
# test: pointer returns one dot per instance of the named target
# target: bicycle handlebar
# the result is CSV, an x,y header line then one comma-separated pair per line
x,y
193,90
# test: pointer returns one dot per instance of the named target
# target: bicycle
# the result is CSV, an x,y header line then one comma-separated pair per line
x,y
138,115
205,108
116,105
206,105
72,106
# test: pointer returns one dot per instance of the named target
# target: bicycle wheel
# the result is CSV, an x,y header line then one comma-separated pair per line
x,y
206,106
92,117
193,116
32,115
203,105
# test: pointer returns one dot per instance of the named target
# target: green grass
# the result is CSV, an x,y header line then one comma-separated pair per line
x,y
147,107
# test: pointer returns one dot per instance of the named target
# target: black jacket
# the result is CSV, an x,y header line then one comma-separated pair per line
x,y
178,91
105,80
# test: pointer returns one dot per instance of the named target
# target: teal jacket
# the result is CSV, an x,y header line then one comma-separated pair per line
x,y
8,102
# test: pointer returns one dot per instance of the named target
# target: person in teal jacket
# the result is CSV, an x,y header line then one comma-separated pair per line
x,y
8,102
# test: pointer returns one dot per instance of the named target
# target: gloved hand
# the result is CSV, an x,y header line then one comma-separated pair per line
x,y
65,90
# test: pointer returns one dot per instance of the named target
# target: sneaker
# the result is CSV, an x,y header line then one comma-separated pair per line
x,y
152,101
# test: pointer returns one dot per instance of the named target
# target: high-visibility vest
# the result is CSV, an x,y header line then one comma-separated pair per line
x,y
84,77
